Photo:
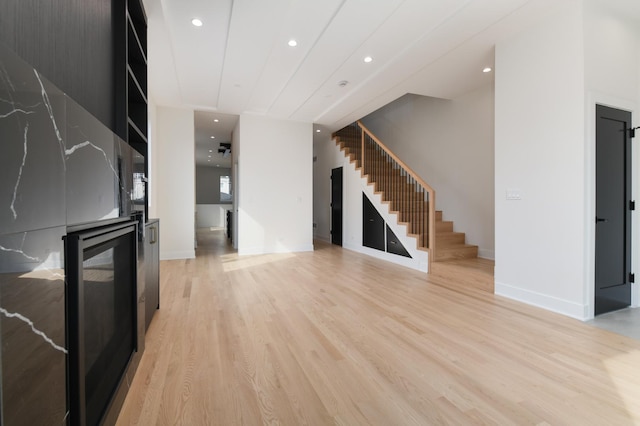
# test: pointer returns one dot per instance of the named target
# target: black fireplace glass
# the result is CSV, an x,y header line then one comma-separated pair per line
x,y
101,264
108,318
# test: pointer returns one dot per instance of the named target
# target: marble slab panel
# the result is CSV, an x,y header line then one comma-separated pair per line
x,y
32,327
32,160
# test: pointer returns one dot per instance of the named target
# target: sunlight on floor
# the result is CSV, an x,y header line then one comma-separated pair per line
x,y
234,262
622,371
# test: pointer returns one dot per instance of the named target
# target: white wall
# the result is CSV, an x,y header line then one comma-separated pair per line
x,y
324,161
212,215
275,188
449,143
175,182
540,154
235,178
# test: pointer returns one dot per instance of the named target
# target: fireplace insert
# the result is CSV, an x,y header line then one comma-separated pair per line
x,y
101,314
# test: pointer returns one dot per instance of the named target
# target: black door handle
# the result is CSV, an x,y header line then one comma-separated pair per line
x,y
600,219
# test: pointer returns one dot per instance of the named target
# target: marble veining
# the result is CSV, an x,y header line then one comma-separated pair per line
x,y
47,103
24,160
33,328
19,251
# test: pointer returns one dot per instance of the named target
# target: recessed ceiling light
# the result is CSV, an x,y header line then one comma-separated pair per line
x,y
318,131
209,156
216,120
210,150
217,165
486,69
209,160
213,137
292,43
368,59
196,22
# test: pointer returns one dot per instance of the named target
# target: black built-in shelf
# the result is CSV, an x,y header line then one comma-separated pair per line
x,y
130,58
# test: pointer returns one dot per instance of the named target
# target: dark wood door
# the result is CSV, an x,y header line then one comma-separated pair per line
x,y
336,206
613,213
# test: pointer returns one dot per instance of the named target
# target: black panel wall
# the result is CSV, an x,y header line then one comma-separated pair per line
x,y
70,42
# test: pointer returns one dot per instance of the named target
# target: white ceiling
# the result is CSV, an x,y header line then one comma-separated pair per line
x,y
239,62
209,134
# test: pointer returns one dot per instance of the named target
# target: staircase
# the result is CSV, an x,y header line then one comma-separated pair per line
x,y
451,245
406,194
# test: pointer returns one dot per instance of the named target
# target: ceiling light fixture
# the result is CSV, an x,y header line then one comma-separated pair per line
x,y
213,137
486,70
318,131
292,43
196,22
368,59
210,150
216,120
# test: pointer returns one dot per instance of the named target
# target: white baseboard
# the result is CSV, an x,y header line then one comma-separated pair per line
x,y
560,306
419,264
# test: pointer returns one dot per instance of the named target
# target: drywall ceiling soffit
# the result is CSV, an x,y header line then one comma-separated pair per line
x,y
239,61
206,146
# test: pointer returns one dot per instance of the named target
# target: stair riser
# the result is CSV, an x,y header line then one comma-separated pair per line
x,y
445,226
464,252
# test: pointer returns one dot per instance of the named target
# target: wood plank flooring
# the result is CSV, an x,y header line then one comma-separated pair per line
x,y
334,337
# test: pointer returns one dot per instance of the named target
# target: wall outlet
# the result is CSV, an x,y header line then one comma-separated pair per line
x,y
513,194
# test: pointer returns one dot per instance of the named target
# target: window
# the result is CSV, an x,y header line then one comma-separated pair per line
x,y
225,189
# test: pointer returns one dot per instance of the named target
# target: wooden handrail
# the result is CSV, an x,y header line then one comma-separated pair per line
x,y
395,157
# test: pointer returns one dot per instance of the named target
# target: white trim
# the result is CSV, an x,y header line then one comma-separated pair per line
x,y
564,307
417,264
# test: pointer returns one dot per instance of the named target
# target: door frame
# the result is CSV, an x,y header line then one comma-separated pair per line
x,y
592,99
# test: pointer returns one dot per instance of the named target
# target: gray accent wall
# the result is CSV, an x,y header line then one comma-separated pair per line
x,y
208,184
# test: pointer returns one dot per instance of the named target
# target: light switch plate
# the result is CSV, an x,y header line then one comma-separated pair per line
x,y
513,194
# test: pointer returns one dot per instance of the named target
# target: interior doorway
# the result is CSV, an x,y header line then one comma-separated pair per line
x,y
336,206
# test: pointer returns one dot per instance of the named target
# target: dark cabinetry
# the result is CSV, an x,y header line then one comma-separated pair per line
x,y
130,62
152,269
376,234
372,226
394,245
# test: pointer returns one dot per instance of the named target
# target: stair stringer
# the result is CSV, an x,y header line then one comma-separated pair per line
x,y
354,184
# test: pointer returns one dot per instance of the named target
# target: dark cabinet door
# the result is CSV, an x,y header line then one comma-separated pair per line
x,y
394,245
152,270
372,226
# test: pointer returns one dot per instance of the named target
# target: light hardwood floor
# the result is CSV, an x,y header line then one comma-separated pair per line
x,y
334,337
